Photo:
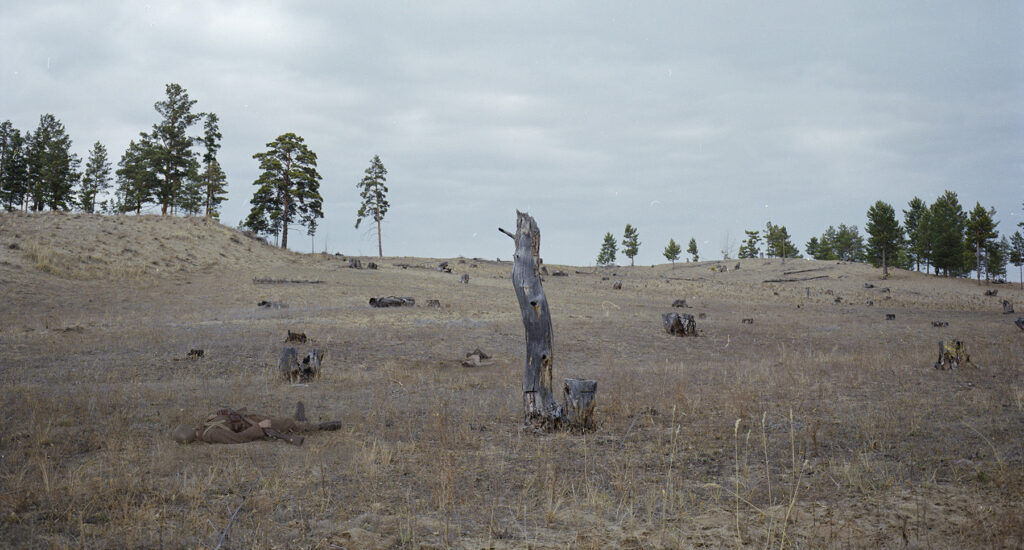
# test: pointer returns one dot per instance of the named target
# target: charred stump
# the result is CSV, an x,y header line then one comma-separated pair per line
x,y
539,406
1007,306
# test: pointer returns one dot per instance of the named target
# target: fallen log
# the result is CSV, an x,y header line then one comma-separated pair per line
x,y
794,280
392,301
262,281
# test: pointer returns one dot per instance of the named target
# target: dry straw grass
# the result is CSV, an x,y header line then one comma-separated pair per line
x,y
819,425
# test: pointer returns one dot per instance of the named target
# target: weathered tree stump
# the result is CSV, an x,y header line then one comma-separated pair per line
x,y
951,354
289,362
617,285
991,292
579,402
1007,306
679,303
464,279
1020,323
679,324
539,406
296,337
444,267
195,354
371,265
295,371
433,303
354,263
392,301
869,285
890,316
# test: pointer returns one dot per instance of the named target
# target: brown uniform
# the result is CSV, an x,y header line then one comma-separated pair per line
x,y
240,426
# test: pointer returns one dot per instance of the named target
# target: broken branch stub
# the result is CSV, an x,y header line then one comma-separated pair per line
x,y
539,406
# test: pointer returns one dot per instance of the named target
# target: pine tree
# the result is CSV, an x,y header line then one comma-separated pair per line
x,y
751,246
52,167
1016,254
13,167
95,179
214,181
169,147
778,243
886,235
996,254
374,194
946,224
672,251
630,242
981,231
135,180
608,248
288,190
915,221
692,249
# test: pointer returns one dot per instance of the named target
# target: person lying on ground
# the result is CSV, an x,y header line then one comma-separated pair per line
x,y
228,425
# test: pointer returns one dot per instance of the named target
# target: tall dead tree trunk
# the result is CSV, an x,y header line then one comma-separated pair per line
x,y
539,405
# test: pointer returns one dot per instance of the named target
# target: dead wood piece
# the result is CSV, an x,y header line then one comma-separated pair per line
x,y
539,405
433,303
354,263
1020,323
559,273
838,300
735,268
271,305
869,303
794,280
195,354
580,402
392,301
310,367
444,267
296,337
544,269
702,315
748,321
617,285
479,353
806,270
464,279
679,324
1007,306
679,303
262,281
472,360
951,354
288,363
940,323
371,265
869,285
890,316
992,292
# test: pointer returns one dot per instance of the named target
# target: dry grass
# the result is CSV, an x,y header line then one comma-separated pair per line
x,y
820,425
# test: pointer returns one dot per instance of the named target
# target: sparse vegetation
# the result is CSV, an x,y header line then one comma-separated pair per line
x,y
827,427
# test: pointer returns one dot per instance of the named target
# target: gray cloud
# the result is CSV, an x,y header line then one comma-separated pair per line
x,y
685,120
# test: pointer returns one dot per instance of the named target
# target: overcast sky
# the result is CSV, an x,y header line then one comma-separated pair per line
x,y
685,119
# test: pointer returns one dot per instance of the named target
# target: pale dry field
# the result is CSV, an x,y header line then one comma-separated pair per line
x,y
820,425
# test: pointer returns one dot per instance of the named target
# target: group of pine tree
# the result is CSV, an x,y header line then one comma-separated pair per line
x,y
175,167
38,170
941,237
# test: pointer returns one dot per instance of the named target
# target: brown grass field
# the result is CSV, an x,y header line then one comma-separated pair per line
x,y
820,425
